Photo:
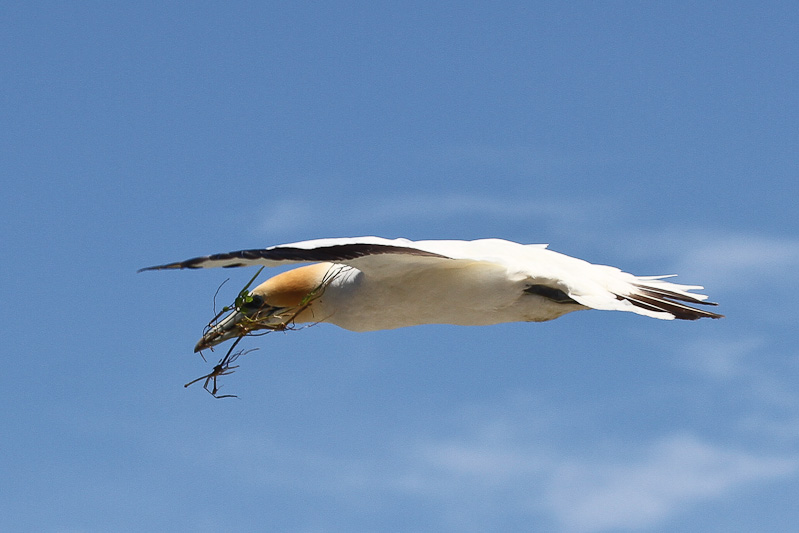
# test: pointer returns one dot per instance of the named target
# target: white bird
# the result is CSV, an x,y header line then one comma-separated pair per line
x,y
371,283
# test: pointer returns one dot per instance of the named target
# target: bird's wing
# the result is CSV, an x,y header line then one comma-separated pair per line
x,y
369,254
609,288
593,286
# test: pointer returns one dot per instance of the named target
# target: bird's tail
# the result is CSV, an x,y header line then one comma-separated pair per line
x,y
652,296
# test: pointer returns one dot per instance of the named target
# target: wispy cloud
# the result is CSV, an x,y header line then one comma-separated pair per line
x,y
666,476
343,214
598,486
722,358
506,463
755,371
745,260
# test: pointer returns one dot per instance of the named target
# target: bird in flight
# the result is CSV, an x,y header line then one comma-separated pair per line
x,y
371,283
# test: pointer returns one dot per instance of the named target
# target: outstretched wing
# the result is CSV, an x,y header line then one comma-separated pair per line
x,y
609,288
593,286
649,296
344,251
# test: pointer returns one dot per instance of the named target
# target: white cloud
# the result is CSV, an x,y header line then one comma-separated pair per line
x,y
340,214
745,261
721,358
777,430
511,463
588,488
729,260
754,368
671,473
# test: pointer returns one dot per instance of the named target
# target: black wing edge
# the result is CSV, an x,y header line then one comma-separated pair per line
x,y
657,299
552,293
339,252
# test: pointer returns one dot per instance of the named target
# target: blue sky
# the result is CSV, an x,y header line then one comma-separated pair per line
x,y
656,137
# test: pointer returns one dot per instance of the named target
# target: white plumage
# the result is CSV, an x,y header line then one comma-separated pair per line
x,y
371,283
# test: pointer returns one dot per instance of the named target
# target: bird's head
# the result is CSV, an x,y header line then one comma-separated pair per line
x,y
275,304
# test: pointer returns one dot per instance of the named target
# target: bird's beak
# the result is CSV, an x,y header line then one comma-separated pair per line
x,y
253,315
226,328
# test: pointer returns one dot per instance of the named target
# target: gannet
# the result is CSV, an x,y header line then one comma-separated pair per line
x,y
372,283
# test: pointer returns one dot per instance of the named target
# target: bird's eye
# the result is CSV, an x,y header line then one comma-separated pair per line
x,y
254,304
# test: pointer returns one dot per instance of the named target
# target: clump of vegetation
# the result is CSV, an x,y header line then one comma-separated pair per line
x,y
253,322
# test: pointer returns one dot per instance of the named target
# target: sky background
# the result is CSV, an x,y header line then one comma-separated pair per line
x,y
659,137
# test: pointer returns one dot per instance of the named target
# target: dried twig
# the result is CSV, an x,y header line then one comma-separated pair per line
x,y
223,368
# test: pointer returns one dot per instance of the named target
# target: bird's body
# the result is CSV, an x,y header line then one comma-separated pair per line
x,y
370,283
464,295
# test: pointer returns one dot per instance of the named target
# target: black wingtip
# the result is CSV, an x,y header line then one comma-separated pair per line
x,y
664,300
170,266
